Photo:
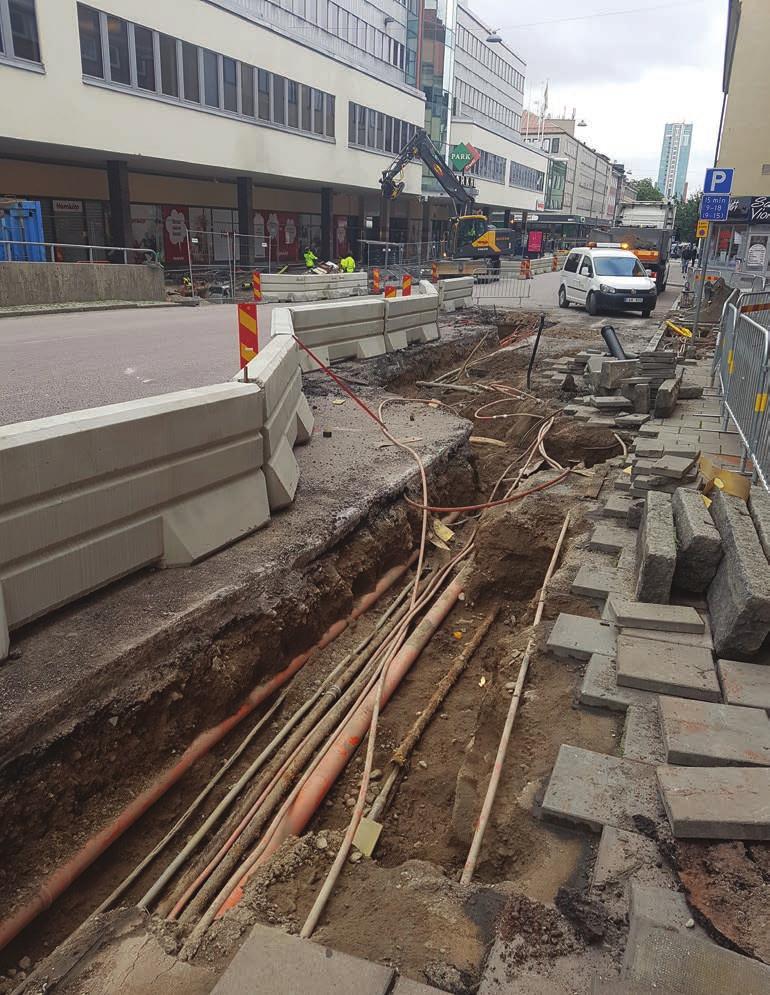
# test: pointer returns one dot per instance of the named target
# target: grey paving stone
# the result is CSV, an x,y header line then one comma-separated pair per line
x,y
699,546
648,448
642,738
600,688
724,803
623,482
578,637
667,668
705,734
759,509
272,962
677,963
614,403
615,370
660,906
635,512
623,855
612,539
656,550
632,421
596,790
617,506
702,639
746,684
676,467
596,582
641,615
739,595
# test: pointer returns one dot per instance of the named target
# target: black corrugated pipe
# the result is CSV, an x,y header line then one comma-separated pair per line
x,y
535,344
612,342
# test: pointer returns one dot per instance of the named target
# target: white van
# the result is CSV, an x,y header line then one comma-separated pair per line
x,y
606,279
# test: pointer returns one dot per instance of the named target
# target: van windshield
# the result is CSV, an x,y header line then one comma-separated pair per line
x,y
618,266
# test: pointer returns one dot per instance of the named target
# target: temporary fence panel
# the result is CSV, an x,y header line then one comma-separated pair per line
x,y
744,375
494,286
12,250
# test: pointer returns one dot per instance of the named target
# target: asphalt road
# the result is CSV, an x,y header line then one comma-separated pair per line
x,y
54,363
50,364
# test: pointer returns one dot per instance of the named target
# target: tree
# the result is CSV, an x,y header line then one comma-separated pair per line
x,y
646,190
687,212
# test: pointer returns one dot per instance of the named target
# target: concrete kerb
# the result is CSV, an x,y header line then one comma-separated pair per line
x,y
91,496
287,418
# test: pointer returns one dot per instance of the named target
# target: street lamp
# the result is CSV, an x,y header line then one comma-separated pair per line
x,y
494,38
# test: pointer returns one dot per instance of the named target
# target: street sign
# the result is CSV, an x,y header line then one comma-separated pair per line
x,y
718,181
702,229
463,156
714,207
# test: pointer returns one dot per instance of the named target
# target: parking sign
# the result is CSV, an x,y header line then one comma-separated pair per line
x,y
718,181
714,207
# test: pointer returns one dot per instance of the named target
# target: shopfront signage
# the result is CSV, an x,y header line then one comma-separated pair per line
x,y
68,206
754,210
463,157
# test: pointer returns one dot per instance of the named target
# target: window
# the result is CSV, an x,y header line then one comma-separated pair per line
x,y
330,102
247,90
24,39
318,112
279,100
361,137
263,94
489,167
307,108
169,81
292,91
117,39
525,177
571,264
374,130
554,145
389,135
210,78
230,84
380,140
351,123
145,58
90,42
190,72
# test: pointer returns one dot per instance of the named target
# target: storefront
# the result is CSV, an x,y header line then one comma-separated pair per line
x,y
740,247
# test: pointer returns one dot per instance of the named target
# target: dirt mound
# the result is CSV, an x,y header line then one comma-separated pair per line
x,y
514,546
535,932
715,296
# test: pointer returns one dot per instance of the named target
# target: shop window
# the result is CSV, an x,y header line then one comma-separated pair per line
x,y
190,72
263,94
247,90
330,104
90,42
24,38
230,84
145,58
279,100
169,81
210,78
117,39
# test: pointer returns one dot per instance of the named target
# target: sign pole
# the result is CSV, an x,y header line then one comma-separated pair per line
x,y
702,284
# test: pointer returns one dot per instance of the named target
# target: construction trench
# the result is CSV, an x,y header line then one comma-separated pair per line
x,y
145,832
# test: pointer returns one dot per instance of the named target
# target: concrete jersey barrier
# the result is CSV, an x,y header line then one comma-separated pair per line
x,y
287,418
344,330
455,293
91,496
300,287
63,283
412,319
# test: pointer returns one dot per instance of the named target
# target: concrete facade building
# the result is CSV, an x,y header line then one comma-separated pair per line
x,y
674,159
133,122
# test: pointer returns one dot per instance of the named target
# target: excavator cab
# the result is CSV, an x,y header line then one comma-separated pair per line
x,y
474,237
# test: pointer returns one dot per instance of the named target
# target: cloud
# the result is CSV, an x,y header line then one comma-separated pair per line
x,y
626,75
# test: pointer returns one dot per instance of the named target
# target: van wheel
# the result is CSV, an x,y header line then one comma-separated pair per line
x,y
591,307
563,302
647,312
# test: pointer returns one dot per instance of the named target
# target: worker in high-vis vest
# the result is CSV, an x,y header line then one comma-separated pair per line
x,y
348,264
310,258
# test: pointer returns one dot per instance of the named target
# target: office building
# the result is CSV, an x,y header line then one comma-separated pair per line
x,y
674,160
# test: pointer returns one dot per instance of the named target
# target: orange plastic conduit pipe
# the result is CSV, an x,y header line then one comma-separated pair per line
x,y
64,876
346,743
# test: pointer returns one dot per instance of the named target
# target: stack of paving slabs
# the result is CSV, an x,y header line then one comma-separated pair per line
x,y
661,473
657,366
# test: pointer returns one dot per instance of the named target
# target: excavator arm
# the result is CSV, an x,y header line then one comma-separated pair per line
x,y
420,146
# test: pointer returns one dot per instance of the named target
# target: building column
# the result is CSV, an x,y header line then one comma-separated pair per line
x,y
245,190
385,220
327,224
507,218
426,227
120,202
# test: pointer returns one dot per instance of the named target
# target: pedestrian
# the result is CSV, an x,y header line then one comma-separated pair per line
x,y
310,258
685,256
348,264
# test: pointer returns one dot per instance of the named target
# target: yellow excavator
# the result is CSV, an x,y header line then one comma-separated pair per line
x,y
471,236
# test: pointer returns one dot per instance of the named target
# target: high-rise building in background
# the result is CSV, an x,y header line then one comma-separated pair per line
x,y
675,159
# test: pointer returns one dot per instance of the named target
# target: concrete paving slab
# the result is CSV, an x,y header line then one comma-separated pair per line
x,y
272,962
660,906
642,739
612,539
676,963
617,506
675,467
725,803
667,668
596,790
579,638
595,582
623,857
746,684
702,639
704,734
670,618
600,688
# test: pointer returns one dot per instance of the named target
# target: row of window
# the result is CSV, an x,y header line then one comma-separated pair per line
x,y
525,177
130,55
489,167
365,36
370,129
18,30
482,102
483,54
551,145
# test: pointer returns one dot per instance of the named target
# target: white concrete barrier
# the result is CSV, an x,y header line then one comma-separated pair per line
x,y
301,287
287,418
456,293
343,330
412,319
91,496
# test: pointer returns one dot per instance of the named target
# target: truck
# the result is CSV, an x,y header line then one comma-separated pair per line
x,y
646,227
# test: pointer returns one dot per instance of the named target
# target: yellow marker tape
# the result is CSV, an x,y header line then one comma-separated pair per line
x,y
680,330
761,403
706,500
718,482
627,469
730,362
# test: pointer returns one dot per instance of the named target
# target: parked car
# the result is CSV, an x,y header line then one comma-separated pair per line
x,y
607,279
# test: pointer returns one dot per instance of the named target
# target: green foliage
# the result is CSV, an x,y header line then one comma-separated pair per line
x,y
687,212
646,190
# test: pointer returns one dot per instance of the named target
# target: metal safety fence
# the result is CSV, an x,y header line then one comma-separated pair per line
x,y
496,286
54,252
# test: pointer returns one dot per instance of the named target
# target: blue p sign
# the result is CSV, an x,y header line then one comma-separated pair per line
x,y
718,181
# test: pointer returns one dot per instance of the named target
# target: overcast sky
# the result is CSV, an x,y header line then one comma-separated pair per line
x,y
626,74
